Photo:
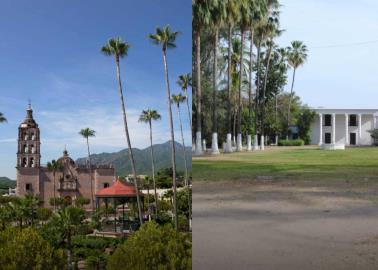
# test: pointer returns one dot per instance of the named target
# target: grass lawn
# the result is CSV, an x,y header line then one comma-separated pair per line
x,y
304,163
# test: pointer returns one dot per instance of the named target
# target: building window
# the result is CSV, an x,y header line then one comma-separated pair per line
x,y
24,162
25,148
32,136
26,137
327,120
32,164
327,138
28,187
352,120
106,185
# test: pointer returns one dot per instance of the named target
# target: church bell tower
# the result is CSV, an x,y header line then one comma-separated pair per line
x,y
28,154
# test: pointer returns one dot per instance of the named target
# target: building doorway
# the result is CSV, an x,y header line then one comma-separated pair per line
x,y
352,138
67,200
327,138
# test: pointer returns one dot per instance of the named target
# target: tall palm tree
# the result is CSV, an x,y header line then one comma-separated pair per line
x,y
2,118
118,48
185,81
68,220
166,39
86,133
53,167
147,116
200,19
218,14
178,99
297,56
243,23
233,12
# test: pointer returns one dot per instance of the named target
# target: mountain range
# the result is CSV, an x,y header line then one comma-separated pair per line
x,y
162,153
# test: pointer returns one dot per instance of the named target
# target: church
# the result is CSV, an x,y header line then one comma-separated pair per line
x,y
71,181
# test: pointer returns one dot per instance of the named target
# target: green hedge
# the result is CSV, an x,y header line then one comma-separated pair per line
x,y
298,142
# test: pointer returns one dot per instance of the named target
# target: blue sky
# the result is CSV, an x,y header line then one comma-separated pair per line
x,y
50,53
339,73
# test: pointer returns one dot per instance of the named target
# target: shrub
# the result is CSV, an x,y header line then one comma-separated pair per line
x,y
80,201
26,249
166,249
374,136
291,142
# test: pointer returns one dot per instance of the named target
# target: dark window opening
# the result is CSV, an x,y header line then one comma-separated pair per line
x,y
327,138
106,185
28,187
327,120
353,120
352,139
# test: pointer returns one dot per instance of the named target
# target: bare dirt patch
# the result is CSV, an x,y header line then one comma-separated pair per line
x,y
285,225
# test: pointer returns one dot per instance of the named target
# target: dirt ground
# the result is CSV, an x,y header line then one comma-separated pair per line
x,y
276,224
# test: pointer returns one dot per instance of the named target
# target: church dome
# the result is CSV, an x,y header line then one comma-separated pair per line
x,y
65,159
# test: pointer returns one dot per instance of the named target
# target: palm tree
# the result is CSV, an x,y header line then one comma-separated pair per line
x,y
244,22
232,8
2,118
271,31
297,56
166,39
200,19
53,167
118,48
86,133
68,220
178,99
147,116
217,13
185,81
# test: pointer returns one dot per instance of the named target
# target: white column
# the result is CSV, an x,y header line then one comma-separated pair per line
x,y
359,129
214,144
333,128
320,129
346,129
374,122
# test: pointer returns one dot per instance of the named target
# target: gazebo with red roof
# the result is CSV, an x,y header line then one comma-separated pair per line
x,y
121,193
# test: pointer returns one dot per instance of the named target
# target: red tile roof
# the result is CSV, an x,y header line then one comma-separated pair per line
x,y
118,189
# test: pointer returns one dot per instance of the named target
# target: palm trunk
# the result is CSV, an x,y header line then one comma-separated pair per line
x,y
90,174
289,107
198,93
215,72
128,140
250,92
264,88
54,192
257,103
153,169
185,161
172,137
229,79
239,141
187,104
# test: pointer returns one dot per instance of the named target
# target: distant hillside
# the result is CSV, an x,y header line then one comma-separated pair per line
x,y
162,152
5,184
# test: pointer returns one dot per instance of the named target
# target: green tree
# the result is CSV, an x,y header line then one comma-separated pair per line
x,y
185,81
44,214
53,167
200,19
305,119
6,216
167,40
86,133
374,135
25,249
297,56
178,99
68,220
81,201
147,116
166,249
118,48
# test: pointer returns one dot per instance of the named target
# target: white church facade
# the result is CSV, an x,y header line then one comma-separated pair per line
x,y
337,128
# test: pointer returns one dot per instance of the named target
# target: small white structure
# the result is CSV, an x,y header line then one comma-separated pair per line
x,y
336,128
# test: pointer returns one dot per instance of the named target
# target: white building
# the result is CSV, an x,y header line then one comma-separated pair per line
x,y
337,128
